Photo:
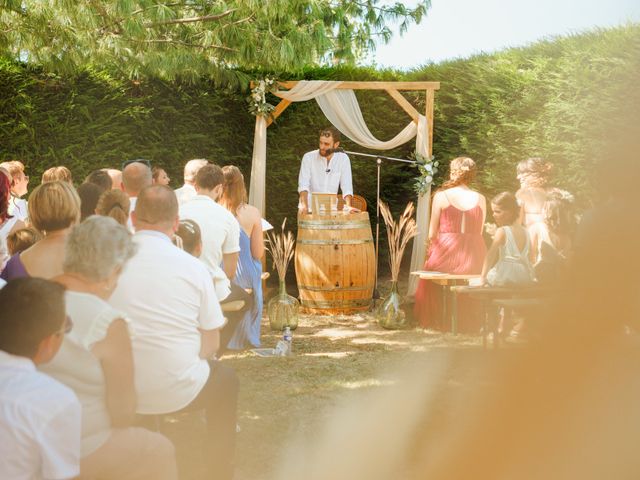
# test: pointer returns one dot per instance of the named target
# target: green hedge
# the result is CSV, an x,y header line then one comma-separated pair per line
x,y
558,99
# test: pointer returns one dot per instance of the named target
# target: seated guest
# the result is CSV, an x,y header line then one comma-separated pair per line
x,y
169,298
220,230
249,271
57,173
551,239
188,190
220,240
136,175
101,178
455,243
89,194
54,208
95,359
114,204
507,260
22,239
19,187
160,176
39,417
8,223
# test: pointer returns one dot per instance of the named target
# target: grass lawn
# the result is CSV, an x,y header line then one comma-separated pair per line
x,y
285,402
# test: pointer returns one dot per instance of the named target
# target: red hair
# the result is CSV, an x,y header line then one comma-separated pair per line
x,y
5,195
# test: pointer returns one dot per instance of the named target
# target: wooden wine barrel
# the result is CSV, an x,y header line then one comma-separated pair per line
x,y
335,263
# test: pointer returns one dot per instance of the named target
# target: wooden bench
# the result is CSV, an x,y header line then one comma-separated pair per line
x,y
492,299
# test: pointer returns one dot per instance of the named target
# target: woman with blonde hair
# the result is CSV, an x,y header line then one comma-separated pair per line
x,y
54,208
249,270
114,204
57,173
455,243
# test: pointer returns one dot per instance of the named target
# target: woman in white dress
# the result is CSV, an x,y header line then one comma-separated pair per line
x,y
96,359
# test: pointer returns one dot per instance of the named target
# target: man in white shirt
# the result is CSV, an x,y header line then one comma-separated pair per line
x,y
188,190
168,297
325,170
220,241
39,417
136,175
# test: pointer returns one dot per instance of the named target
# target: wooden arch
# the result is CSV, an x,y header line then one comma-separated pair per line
x,y
392,88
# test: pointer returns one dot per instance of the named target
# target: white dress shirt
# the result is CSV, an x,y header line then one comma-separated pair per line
x,y
316,176
132,207
168,297
185,193
18,207
220,235
39,423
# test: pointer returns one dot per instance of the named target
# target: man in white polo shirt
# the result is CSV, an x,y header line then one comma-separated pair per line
x,y
325,170
39,417
220,241
169,298
188,190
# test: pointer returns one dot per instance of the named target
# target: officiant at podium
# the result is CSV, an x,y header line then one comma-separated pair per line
x,y
325,170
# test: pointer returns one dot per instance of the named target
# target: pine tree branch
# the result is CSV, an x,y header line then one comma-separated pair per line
x,y
183,44
206,18
108,21
174,4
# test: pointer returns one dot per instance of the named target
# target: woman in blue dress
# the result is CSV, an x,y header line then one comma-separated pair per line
x,y
249,271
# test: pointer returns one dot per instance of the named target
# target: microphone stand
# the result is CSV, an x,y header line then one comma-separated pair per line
x,y
379,159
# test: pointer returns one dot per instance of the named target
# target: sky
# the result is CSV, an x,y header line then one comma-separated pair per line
x,y
460,28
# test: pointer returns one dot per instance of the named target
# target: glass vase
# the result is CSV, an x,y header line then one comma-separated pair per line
x,y
390,314
283,310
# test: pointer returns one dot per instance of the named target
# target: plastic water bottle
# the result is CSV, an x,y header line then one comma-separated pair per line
x,y
287,337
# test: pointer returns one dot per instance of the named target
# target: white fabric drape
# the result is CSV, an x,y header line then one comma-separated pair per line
x,y
342,109
259,165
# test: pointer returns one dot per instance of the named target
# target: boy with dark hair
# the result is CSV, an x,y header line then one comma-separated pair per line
x,y
39,417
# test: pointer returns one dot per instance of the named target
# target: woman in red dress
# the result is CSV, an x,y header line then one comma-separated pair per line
x,y
455,243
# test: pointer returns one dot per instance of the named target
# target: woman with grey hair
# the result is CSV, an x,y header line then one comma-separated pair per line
x,y
96,359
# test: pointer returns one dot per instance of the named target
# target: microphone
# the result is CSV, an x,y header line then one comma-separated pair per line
x,y
337,150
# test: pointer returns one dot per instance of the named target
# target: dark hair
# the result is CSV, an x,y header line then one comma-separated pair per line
x,y
557,213
89,194
332,132
31,309
507,202
209,177
157,204
189,232
22,239
5,196
101,178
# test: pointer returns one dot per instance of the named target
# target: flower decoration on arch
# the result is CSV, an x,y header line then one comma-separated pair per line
x,y
427,169
258,104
